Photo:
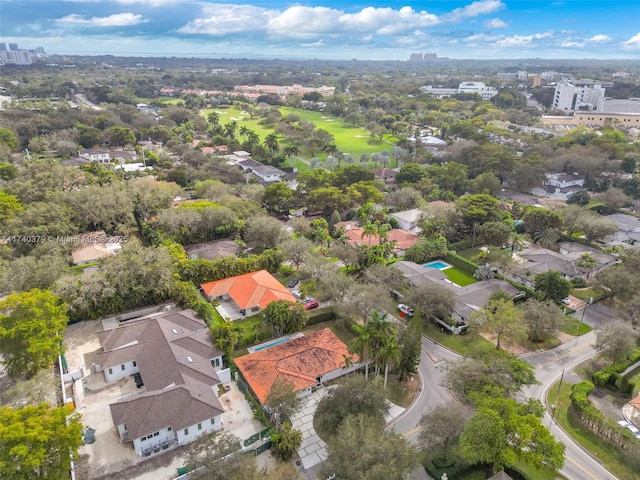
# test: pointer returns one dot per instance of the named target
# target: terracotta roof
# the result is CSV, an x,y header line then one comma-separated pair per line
x,y
249,290
402,238
635,402
298,361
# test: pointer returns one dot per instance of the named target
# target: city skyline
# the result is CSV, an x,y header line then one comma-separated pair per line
x,y
327,29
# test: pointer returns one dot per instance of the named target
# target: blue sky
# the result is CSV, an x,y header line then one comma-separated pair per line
x,y
327,29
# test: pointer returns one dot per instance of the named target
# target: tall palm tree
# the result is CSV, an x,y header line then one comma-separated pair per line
x,y
291,151
547,237
244,131
381,329
388,355
271,144
361,345
230,129
369,230
213,119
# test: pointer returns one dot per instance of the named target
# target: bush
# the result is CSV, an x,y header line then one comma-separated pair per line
x,y
579,282
319,316
580,395
461,263
461,245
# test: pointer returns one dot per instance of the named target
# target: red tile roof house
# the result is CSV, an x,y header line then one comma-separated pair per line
x,y
305,362
250,292
181,370
403,239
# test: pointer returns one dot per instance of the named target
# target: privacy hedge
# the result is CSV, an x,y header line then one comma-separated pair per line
x,y
461,263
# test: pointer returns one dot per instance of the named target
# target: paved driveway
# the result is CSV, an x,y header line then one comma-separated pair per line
x,y
313,449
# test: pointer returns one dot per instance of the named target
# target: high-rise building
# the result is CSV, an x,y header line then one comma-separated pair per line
x,y
13,47
537,81
3,47
569,97
416,57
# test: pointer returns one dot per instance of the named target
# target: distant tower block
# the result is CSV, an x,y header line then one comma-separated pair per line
x,y
416,57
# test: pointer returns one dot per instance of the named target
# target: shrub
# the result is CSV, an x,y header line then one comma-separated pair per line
x,y
580,395
579,282
461,263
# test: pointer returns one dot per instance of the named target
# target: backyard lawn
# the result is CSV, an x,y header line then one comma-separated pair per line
x,y
459,277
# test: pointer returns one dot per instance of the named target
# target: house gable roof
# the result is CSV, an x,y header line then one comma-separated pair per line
x,y
298,361
172,351
249,290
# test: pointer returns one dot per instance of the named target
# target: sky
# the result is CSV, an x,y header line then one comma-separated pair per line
x,y
327,29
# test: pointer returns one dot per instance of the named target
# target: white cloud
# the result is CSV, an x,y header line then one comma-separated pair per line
x,y
600,38
481,7
219,19
115,20
520,40
312,23
495,23
583,42
633,42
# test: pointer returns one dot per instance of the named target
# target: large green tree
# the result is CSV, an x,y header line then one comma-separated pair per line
x,y
354,396
552,285
361,451
284,317
31,328
500,319
503,432
38,442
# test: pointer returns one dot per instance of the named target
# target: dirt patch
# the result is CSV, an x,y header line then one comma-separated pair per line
x,y
513,348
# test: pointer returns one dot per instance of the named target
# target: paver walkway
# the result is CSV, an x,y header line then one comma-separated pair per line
x,y
313,449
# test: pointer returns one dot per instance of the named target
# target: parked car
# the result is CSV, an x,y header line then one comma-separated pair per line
x,y
566,301
406,309
311,305
292,283
296,293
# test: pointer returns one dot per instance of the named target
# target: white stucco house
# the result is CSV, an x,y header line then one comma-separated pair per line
x,y
559,185
180,369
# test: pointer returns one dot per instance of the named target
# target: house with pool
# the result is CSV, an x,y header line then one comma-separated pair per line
x,y
468,299
304,361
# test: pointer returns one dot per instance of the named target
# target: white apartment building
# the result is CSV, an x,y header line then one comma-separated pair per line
x,y
487,93
569,97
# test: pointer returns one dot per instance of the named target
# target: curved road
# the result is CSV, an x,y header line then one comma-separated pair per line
x,y
579,465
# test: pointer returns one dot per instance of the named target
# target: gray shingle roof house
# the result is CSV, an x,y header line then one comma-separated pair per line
x,y
535,260
213,249
469,299
180,368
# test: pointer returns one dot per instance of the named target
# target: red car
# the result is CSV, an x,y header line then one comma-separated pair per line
x,y
311,304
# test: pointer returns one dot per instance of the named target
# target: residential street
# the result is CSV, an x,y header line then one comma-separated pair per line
x,y
579,465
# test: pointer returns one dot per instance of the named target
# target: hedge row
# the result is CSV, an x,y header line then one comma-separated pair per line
x,y
461,263
611,376
596,420
461,245
321,315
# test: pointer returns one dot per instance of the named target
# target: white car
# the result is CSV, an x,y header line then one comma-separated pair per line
x,y
566,301
406,309
624,423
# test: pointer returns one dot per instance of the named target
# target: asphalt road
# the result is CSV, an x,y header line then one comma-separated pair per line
x,y
549,365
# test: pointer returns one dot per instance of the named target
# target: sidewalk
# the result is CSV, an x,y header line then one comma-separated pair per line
x,y
313,449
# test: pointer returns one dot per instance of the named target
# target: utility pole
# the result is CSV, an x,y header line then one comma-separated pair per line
x,y
582,317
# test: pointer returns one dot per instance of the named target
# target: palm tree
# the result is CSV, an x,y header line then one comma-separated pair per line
x,y
291,151
369,230
271,144
389,355
230,129
547,237
361,345
213,119
244,131
252,138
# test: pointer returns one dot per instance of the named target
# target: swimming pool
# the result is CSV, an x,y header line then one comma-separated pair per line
x,y
439,264
273,343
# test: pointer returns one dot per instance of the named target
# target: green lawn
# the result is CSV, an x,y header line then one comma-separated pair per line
x,y
584,293
459,277
468,345
605,452
349,139
469,253
570,325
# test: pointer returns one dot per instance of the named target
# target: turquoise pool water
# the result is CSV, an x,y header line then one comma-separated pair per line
x,y
440,265
273,343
